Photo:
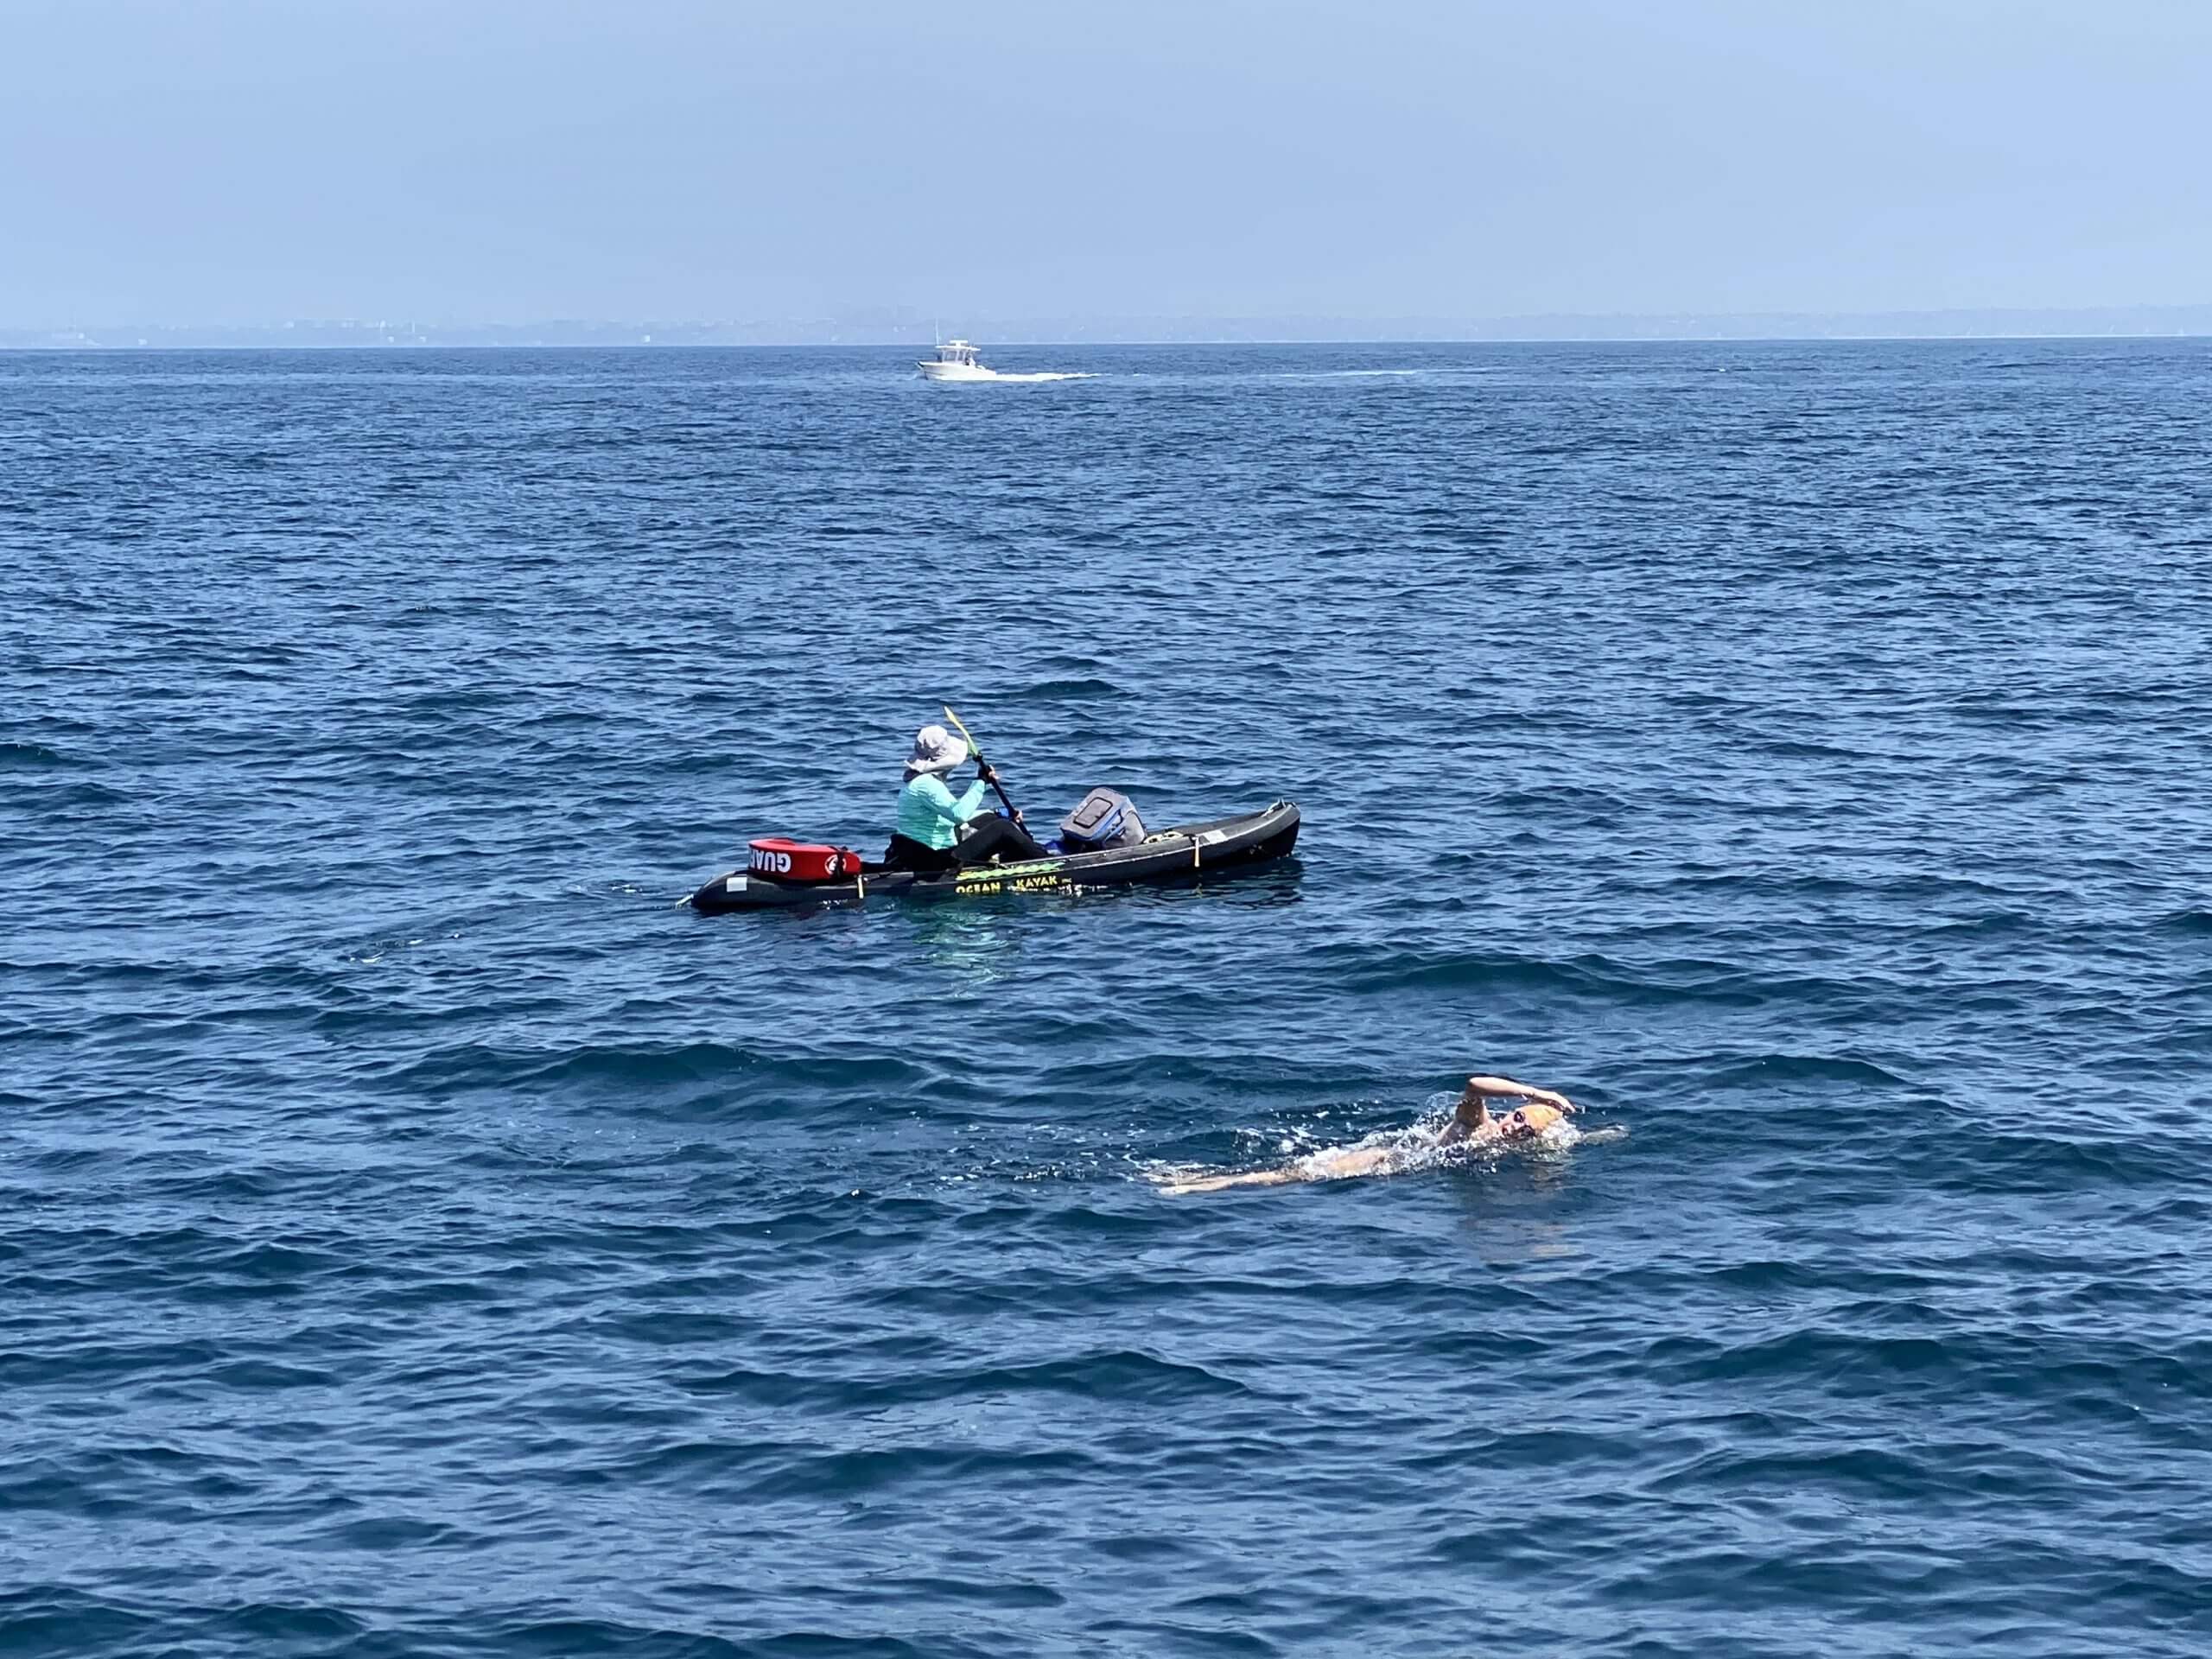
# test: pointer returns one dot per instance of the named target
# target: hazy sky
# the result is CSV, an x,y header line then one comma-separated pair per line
x,y
234,161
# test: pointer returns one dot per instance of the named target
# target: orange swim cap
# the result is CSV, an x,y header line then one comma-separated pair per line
x,y
1536,1117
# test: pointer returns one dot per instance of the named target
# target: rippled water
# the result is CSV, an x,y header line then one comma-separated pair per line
x,y
418,1236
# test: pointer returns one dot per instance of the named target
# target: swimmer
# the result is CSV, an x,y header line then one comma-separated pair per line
x,y
1470,1125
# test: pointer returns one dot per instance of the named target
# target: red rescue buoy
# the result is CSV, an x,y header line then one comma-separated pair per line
x,y
787,860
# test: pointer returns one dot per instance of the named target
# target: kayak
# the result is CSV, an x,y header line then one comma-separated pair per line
x,y
1165,855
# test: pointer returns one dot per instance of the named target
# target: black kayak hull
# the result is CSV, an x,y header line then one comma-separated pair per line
x,y
1170,855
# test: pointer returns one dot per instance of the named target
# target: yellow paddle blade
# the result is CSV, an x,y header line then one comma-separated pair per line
x,y
964,736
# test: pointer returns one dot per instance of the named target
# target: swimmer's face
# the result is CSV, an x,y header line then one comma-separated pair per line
x,y
1516,1126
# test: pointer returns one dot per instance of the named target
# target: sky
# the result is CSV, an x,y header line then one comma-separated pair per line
x,y
237,161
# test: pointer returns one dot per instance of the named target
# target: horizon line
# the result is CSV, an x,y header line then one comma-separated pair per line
x,y
62,348
895,325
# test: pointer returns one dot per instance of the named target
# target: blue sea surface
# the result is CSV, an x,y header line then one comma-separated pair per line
x,y
420,1235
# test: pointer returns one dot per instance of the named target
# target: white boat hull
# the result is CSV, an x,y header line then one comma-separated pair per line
x,y
932,371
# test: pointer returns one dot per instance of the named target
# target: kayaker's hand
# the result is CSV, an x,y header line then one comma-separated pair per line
x,y
988,773
1017,815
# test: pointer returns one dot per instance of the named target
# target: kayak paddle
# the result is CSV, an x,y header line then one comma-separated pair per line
x,y
968,738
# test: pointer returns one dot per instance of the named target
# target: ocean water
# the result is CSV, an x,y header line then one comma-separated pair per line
x,y
421,1235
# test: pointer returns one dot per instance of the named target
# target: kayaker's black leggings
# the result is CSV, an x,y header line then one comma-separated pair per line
x,y
981,837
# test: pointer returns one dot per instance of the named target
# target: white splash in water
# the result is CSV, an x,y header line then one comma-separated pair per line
x,y
1389,1151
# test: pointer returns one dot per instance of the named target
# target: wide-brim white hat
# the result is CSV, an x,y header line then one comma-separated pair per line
x,y
935,750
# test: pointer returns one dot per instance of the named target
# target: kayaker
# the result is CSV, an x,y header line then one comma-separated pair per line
x,y
937,830
1470,1125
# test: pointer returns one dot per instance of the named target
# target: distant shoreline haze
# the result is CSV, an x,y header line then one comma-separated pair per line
x,y
890,329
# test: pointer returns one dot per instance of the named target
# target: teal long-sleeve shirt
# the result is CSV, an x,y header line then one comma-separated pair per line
x,y
929,813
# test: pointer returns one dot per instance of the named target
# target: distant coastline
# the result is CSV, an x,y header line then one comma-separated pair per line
x,y
893,329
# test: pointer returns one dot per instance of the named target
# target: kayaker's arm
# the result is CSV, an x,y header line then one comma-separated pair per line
x,y
988,773
932,794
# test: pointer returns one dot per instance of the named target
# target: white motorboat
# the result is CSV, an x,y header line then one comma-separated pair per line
x,y
955,360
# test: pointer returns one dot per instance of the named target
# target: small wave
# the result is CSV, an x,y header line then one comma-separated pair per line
x,y
615,1638
1765,1070
1996,1161
477,1065
1689,981
57,796
1071,691
1115,1374
33,757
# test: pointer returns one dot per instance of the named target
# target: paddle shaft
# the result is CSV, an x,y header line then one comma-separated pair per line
x,y
967,737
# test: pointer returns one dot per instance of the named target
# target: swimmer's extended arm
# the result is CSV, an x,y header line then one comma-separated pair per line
x,y
1333,1165
1506,1089
1256,1177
